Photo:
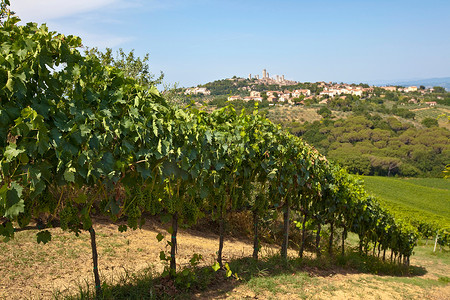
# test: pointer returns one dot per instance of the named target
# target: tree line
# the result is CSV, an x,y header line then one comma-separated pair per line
x,y
372,145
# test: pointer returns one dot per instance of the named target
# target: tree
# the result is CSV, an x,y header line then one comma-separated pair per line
x,y
439,89
325,112
132,66
264,96
299,99
385,163
430,122
5,11
353,161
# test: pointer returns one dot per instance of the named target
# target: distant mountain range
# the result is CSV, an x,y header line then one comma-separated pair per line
x,y
430,82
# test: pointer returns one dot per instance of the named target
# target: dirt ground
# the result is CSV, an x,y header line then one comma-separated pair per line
x,y
35,271
31,270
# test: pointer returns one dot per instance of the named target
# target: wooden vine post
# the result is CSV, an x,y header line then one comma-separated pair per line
x,y
173,248
98,287
255,235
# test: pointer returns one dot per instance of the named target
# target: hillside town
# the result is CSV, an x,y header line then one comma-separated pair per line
x,y
256,88
266,79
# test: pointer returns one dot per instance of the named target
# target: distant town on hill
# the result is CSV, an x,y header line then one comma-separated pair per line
x,y
278,90
280,80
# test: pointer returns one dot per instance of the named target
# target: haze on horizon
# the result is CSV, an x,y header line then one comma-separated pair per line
x,y
197,41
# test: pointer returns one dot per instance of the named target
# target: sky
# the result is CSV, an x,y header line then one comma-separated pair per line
x,y
197,41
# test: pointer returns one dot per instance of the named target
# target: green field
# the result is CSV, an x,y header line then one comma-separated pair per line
x,y
421,196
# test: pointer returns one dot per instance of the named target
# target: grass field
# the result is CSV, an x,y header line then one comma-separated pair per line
x,y
421,196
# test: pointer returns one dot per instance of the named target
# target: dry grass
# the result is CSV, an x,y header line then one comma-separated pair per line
x,y
31,270
293,113
36,271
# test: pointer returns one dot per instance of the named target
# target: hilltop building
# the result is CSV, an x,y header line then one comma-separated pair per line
x,y
197,90
410,89
389,88
266,79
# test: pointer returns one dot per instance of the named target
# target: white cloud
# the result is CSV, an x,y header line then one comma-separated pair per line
x,y
41,11
44,10
104,41
88,23
91,38
95,21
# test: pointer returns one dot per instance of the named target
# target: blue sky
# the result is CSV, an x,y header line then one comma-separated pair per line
x,y
197,41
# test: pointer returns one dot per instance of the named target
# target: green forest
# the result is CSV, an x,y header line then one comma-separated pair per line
x,y
372,145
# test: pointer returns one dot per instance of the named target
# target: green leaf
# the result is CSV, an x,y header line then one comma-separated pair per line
x,y
215,266
44,237
155,128
43,142
10,83
14,204
7,230
23,158
62,122
272,174
123,228
37,189
219,165
3,191
69,175
162,255
159,147
228,270
208,136
170,230
159,237
11,152
107,163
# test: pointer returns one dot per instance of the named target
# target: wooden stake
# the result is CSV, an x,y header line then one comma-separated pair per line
x,y
98,287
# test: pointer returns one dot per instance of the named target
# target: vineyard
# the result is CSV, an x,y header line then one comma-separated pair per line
x,y
423,202
78,138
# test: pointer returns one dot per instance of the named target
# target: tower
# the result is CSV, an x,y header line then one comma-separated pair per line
x,y
264,73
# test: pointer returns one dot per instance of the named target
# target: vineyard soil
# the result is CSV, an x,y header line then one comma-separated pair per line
x,y
36,271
